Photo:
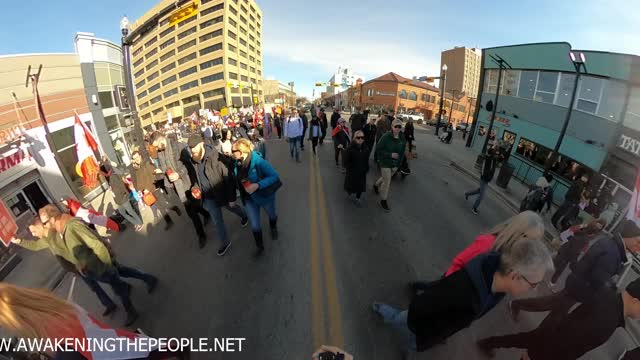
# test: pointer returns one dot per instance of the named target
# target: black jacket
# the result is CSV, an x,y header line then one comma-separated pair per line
x,y
217,174
334,119
409,132
342,138
305,121
323,123
356,161
489,168
595,269
452,303
369,131
357,122
575,192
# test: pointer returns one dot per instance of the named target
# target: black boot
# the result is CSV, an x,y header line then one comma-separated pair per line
x,y
168,221
202,240
257,235
273,224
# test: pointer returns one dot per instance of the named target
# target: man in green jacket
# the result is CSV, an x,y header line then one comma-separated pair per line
x,y
81,246
389,154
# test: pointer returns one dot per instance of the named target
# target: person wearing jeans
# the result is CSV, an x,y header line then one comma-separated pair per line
x,y
212,182
389,154
293,129
488,170
397,319
256,178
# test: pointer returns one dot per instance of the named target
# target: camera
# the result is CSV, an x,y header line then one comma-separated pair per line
x,y
328,355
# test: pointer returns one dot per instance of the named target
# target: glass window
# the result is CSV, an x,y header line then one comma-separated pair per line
x,y
189,85
212,9
587,106
210,78
547,81
167,32
231,48
189,71
186,21
243,30
137,51
232,34
612,102
244,9
527,87
251,48
137,63
491,81
243,53
253,80
243,66
150,42
233,22
413,96
167,43
252,69
259,72
243,42
211,49
152,64
186,45
233,76
187,33
590,88
142,82
152,76
233,10
244,78
106,99
187,58
632,117
232,61
211,22
142,94
170,93
210,63
510,80
403,94
167,55
211,93
190,99
154,88
565,89
210,35
169,80
155,99
168,67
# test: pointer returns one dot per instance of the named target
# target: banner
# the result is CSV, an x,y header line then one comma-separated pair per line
x,y
634,205
8,226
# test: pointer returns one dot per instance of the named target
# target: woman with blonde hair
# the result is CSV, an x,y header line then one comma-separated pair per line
x,y
38,314
258,182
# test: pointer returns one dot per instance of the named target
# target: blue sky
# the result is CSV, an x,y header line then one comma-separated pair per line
x,y
305,41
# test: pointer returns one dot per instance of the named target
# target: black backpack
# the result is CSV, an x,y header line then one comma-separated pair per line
x,y
533,198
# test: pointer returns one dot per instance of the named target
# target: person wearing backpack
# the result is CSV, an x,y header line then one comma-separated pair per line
x,y
258,183
293,129
538,195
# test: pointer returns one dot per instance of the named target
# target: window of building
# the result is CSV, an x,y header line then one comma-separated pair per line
x,y
154,88
243,42
259,72
233,10
170,92
167,43
168,67
252,28
233,22
632,116
211,22
211,9
188,72
258,33
243,53
244,9
252,69
413,96
589,93
137,63
245,90
235,90
253,80
565,89
244,78
186,45
214,92
137,51
258,52
511,79
142,94
211,35
150,42
186,21
232,62
187,58
191,99
187,33
258,42
243,30
403,94
210,78
251,48
169,80
151,53
155,99
106,99
210,49
172,105
564,167
163,22
189,85
139,84
167,31
211,63
527,87
243,66
151,64
612,101
231,48
252,59
546,89
139,73
233,76
144,105
152,76
258,62
167,55
252,38
252,18
231,34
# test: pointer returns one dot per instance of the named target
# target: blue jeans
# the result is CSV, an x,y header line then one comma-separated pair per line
x,y
397,319
120,287
104,298
253,211
128,272
480,192
216,215
293,146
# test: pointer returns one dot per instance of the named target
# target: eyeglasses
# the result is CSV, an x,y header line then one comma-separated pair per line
x,y
359,137
533,285
398,126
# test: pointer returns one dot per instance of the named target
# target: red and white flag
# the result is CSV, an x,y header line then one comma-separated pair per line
x,y
634,205
85,146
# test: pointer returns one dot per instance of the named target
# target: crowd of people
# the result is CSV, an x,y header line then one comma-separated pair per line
x,y
216,163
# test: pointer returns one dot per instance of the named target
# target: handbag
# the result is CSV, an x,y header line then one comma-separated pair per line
x,y
269,190
149,199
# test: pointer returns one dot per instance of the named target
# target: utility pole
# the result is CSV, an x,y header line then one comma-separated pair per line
x,y
443,78
503,65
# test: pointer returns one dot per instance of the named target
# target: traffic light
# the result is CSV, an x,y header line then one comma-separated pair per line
x,y
319,84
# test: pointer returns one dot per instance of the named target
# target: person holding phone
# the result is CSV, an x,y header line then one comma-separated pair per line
x,y
258,182
389,154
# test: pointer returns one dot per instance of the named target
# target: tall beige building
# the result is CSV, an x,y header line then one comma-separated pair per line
x,y
463,69
197,54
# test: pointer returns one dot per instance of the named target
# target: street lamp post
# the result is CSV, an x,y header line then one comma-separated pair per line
x,y
126,55
578,61
444,84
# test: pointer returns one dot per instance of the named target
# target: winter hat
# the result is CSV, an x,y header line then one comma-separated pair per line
x,y
194,140
341,120
634,288
630,229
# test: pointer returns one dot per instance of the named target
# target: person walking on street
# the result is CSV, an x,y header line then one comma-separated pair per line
x,y
571,200
409,135
389,154
258,183
226,142
356,162
323,125
258,143
171,178
587,327
591,274
488,170
210,177
122,199
314,132
341,139
358,120
452,303
335,116
292,132
193,205
305,125
277,123
383,126
82,247
370,131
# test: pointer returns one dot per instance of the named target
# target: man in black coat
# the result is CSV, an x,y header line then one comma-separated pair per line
x,y
209,175
370,131
488,170
356,162
451,304
323,125
335,117
305,126
590,275
571,200
357,121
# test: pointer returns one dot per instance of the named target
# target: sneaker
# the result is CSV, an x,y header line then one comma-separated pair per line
x,y
244,222
223,249
384,205
109,310
151,285
474,211
376,189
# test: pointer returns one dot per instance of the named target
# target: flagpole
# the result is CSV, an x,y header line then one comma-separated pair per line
x,y
100,149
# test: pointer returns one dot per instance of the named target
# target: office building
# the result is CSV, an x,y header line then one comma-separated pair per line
x,y
463,69
192,55
279,93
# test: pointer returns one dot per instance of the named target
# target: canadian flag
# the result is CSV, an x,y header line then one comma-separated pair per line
x,y
85,146
634,205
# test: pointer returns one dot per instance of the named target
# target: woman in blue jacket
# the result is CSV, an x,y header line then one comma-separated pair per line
x,y
258,183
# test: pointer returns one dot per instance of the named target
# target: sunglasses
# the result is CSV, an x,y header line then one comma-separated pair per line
x,y
398,126
359,137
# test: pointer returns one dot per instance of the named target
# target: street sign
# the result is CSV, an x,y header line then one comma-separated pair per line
x,y
8,226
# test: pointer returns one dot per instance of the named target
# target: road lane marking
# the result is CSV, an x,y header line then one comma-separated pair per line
x,y
336,337
317,303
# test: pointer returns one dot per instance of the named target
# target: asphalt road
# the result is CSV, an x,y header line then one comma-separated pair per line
x,y
314,285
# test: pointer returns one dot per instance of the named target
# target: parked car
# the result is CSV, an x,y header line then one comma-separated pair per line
x,y
462,126
414,117
432,122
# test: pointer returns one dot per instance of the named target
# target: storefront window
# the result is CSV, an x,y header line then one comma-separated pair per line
x,y
564,166
510,138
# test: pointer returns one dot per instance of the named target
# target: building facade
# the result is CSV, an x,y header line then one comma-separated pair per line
x,y
191,55
279,93
534,99
341,80
463,69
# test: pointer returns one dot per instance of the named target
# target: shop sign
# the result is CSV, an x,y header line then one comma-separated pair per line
x,y
9,161
385,93
503,121
8,226
10,134
629,144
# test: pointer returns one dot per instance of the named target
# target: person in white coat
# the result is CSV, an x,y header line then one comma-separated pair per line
x,y
293,132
